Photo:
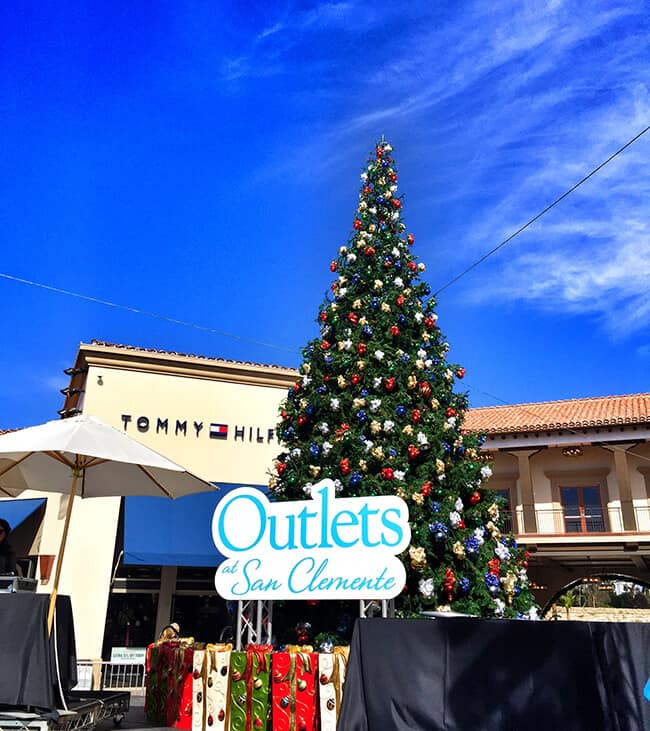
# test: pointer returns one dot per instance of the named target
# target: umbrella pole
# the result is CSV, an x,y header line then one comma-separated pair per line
x,y
59,562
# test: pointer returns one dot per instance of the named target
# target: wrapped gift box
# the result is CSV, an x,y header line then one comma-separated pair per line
x,y
294,689
249,688
331,676
211,686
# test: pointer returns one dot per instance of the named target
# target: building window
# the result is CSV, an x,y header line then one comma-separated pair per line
x,y
582,509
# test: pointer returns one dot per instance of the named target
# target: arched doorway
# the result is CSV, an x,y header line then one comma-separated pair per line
x,y
601,597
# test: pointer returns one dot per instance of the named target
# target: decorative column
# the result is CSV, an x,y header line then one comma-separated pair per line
x,y
165,596
526,487
624,487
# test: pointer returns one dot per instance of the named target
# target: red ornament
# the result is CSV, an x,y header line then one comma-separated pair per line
x,y
258,723
426,489
416,415
196,674
355,378
324,680
357,224
344,465
325,345
210,720
397,203
410,239
394,331
334,286
493,566
392,177
460,373
450,411
387,473
461,524
387,263
281,467
296,386
222,714
390,383
400,300
429,322
333,265
326,378
425,388
369,250
367,189
353,317
361,348
449,582
379,151
323,316
302,420
412,266
284,415
413,451
475,497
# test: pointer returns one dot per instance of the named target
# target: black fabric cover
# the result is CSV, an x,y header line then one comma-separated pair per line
x,y
27,659
465,674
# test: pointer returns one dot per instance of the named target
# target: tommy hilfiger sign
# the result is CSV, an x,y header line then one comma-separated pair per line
x,y
185,427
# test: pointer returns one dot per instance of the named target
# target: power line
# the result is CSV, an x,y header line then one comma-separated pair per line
x,y
541,213
146,313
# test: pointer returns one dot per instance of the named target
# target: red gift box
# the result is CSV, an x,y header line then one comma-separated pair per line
x,y
294,696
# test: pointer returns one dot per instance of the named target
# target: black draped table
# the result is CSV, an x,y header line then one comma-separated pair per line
x,y
465,674
28,667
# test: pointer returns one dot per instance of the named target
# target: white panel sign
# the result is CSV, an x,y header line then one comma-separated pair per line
x,y
321,548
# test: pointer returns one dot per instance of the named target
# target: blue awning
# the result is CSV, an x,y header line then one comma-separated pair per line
x,y
16,512
163,532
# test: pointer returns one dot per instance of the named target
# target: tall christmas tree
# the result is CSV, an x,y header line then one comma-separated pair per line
x,y
375,410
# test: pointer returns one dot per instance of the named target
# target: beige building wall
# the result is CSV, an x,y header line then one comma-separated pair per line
x,y
137,402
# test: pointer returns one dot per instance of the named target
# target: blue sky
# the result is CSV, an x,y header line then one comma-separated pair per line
x,y
201,160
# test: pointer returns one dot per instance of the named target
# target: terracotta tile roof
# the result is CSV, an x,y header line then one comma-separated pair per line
x,y
138,349
569,414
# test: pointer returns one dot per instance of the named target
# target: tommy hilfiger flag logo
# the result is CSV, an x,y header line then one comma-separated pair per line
x,y
218,431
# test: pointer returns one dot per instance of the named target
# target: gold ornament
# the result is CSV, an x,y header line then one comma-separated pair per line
x,y
493,511
375,427
385,307
378,453
408,429
459,549
418,558
314,470
509,582
363,465
435,403
356,304
418,498
411,382
494,531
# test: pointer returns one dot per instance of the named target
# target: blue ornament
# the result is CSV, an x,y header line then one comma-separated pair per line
x,y
388,260
435,506
361,416
461,450
472,546
367,331
439,530
364,392
356,278
289,432
446,448
402,319
400,410
314,449
308,351
405,357
385,163
517,590
426,290
374,302
398,264
328,360
355,479
309,410
392,452
464,585
381,200
321,390
492,583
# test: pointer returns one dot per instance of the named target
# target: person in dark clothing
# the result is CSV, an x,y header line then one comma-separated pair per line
x,y
7,553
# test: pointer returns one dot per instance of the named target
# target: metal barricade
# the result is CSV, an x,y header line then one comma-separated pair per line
x,y
106,675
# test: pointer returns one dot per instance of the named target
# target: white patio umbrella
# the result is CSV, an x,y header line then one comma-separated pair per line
x,y
83,455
